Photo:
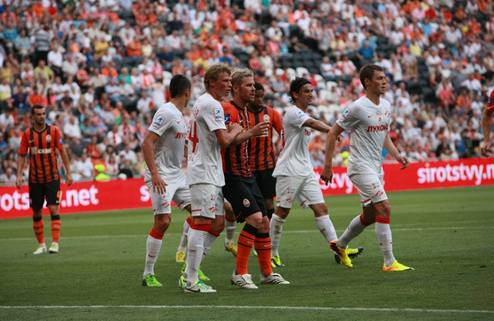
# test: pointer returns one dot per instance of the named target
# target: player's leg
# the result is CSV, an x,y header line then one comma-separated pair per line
x,y
286,189
267,184
52,202
365,185
183,199
384,236
36,198
161,204
182,244
243,205
204,200
230,227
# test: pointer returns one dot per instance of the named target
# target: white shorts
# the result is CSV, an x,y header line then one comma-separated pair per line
x,y
176,190
370,187
207,200
305,189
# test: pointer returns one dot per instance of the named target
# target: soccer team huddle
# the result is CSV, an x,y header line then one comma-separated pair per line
x,y
232,176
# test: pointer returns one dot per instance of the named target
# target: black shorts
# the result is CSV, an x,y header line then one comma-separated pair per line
x,y
266,183
244,195
38,192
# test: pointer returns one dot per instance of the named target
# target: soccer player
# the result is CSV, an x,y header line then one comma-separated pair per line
x,y
241,188
368,120
163,150
295,178
42,142
486,148
262,156
208,134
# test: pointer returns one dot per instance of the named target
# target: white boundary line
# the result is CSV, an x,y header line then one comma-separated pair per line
x,y
245,307
120,236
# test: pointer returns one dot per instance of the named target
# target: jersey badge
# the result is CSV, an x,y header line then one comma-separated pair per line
x,y
246,202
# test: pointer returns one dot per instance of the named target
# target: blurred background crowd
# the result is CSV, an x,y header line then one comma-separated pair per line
x,y
102,68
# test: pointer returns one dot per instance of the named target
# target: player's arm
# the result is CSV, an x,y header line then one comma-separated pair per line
x,y
158,182
317,125
227,136
486,129
257,130
21,160
66,164
390,146
63,154
333,134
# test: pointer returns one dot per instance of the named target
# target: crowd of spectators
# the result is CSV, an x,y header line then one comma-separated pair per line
x,y
102,67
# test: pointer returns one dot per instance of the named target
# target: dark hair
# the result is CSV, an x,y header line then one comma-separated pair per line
x,y
296,85
367,72
36,107
258,86
178,85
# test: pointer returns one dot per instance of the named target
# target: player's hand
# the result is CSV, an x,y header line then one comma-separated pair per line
x,y
260,129
69,179
486,149
235,128
159,184
403,161
327,174
19,181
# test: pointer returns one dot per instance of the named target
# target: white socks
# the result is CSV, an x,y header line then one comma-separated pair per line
x,y
195,250
208,242
275,231
229,231
182,245
153,247
352,231
385,241
326,228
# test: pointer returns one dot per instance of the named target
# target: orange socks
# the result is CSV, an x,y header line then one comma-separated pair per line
x,y
245,244
263,248
38,228
55,228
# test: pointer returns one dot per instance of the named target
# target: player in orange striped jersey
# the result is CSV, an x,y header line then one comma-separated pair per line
x,y
42,142
262,150
241,188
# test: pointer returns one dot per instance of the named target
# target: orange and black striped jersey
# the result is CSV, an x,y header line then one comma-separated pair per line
x,y
42,147
261,150
236,157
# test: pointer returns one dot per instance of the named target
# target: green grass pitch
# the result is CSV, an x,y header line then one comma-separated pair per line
x,y
447,235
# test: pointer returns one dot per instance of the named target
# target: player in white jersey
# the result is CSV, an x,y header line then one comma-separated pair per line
x,y
163,150
368,120
208,134
295,178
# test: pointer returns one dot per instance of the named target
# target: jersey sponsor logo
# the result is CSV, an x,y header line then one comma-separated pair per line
x,y
35,150
375,129
181,135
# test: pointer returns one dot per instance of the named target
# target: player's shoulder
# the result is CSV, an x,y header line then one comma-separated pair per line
x,y
55,129
228,106
294,111
385,103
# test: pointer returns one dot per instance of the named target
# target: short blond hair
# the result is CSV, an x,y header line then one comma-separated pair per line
x,y
214,72
238,75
